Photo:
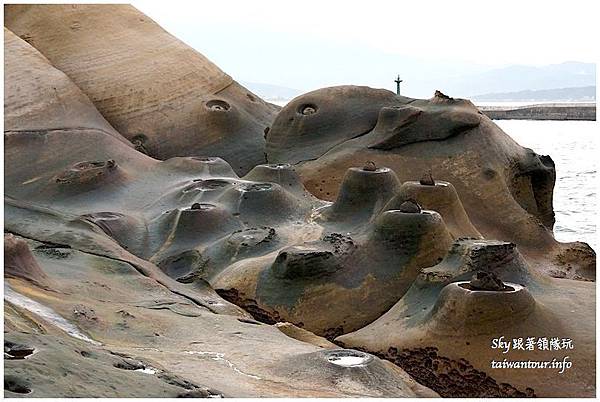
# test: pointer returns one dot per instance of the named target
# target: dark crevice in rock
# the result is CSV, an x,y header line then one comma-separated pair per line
x,y
331,333
15,351
16,384
247,321
249,305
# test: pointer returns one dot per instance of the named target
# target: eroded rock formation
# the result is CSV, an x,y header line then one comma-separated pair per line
x,y
211,273
506,190
442,329
110,251
163,96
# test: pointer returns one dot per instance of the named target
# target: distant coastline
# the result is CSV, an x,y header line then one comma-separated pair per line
x,y
544,111
571,94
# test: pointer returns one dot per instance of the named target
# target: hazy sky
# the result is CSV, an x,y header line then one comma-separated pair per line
x,y
306,44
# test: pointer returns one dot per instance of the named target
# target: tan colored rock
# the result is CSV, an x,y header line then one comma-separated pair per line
x,y
134,247
506,190
20,263
162,95
441,197
38,97
131,292
303,335
443,325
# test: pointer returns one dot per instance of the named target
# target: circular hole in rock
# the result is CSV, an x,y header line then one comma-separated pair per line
x,y
307,109
16,385
14,351
218,105
85,353
348,358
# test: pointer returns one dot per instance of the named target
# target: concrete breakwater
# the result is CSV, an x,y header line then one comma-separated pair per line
x,y
550,111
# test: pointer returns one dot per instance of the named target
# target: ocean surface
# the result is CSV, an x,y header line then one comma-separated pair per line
x,y
573,147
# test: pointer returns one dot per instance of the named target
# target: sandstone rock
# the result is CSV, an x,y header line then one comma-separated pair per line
x,y
143,277
162,95
504,189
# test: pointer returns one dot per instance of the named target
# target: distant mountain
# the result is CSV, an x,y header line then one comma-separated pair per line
x,y
521,78
576,94
272,92
421,79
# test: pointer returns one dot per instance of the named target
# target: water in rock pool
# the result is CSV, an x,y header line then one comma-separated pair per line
x,y
572,146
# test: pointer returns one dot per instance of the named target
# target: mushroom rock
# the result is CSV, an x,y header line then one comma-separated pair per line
x,y
164,255
483,290
124,229
264,203
468,257
283,174
362,195
505,189
243,244
463,309
439,196
20,263
162,95
365,272
421,234
191,226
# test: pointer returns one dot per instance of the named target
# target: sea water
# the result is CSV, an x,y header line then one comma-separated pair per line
x,y
573,147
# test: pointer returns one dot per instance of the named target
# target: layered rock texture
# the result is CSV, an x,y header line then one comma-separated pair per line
x,y
153,250
159,93
505,190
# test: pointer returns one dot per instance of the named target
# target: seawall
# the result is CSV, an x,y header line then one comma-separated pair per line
x,y
550,111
